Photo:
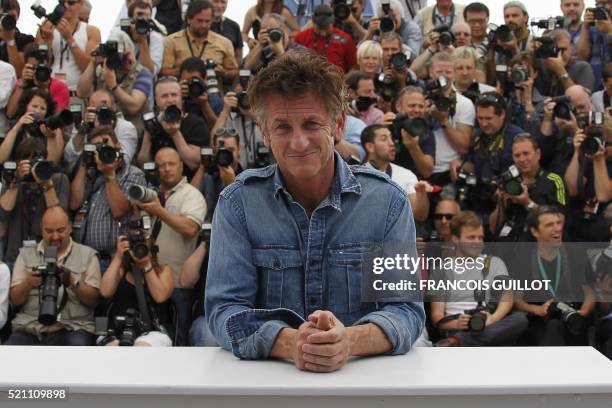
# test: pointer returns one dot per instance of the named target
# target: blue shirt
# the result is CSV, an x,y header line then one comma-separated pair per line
x,y
271,266
309,5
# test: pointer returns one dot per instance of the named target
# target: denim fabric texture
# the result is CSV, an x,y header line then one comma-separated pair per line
x,y
271,266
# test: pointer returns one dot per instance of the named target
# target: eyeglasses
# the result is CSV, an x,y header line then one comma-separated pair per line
x,y
488,97
462,33
71,2
477,21
222,131
448,217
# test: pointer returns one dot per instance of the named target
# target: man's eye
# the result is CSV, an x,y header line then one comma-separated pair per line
x,y
312,125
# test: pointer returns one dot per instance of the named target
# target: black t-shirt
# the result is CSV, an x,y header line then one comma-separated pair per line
x,y
21,40
169,14
230,30
194,129
404,159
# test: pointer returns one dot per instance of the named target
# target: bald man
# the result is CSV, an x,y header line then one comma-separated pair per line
x,y
181,217
79,280
462,33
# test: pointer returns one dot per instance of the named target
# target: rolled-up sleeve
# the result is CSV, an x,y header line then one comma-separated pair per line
x,y
232,285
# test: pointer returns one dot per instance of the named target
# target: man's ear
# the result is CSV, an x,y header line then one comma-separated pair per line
x,y
264,135
341,123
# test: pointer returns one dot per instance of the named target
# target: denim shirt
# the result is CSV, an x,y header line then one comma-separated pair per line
x,y
271,266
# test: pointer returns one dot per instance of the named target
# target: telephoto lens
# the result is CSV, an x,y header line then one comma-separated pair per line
x,y
275,35
59,120
172,114
7,22
43,169
140,193
195,87
107,154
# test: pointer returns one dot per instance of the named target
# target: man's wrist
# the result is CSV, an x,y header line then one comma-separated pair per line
x,y
47,186
109,177
11,43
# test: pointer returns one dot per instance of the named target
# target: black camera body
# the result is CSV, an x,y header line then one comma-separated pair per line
x,y
143,25
105,115
42,71
362,103
243,100
386,23
9,168
151,174
137,235
275,35
546,49
52,278
7,22
446,37
519,75
574,321
594,134
210,63
434,92
563,107
386,87
107,154
399,61
600,12
466,183
55,16
125,328
511,181
478,321
172,114
195,87
262,155
56,121
342,9
211,158
416,127
110,51
549,23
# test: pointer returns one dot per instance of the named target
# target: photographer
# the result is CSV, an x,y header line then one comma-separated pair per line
x,y
420,63
603,290
7,82
27,193
12,42
197,40
362,97
561,71
490,321
586,207
378,143
593,46
178,221
194,89
571,278
394,66
443,12
353,23
71,43
119,73
601,99
149,44
76,293
467,76
97,194
370,58
187,132
37,73
34,111
267,48
407,29
227,27
508,221
102,111
211,181
476,15
118,283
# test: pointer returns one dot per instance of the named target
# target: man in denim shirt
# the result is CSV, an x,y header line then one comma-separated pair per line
x,y
286,252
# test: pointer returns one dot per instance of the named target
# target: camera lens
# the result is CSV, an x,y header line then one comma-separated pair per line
x,y
43,169
342,11
224,158
196,87
386,24
446,38
172,114
8,22
42,73
107,154
275,35
513,187
59,120
398,61
140,250
591,144
477,322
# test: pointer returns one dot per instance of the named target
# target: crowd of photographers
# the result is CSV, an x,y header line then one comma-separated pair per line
x,y
114,153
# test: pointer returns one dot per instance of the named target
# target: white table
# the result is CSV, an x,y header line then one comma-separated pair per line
x,y
428,377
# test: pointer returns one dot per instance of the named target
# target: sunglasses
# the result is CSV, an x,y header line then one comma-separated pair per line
x,y
488,97
324,13
71,2
439,217
226,131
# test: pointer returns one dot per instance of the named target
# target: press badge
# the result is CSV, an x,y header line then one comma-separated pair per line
x,y
29,243
505,231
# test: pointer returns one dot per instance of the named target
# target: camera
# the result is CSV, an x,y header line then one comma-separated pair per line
x,y
151,174
275,35
546,49
262,155
342,9
56,121
243,100
362,103
416,127
152,125
466,181
563,107
141,193
137,233
205,232
7,22
107,154
55,16
434,92
105,115
472,92
172,114
110,51
600,13
549,23
210,63
212,83
8,171
386,23
43,168
594,135
446,37
42,72
399,61
511,181
519,75
211,158
52,278
386,87
77,113
478,321
126,328
574,321
244,77
195,87
143,25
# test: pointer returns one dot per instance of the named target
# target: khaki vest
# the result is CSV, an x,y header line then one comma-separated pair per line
x,y
75,315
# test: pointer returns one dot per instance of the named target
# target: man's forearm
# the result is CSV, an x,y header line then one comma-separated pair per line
x,y
15,58
190,154
424,163
183,225
145,57
346,149
458,139
368,340
77,189
85,84
88,295
117,202
9,199
285,344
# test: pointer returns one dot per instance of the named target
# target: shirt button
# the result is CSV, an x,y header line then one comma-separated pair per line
x,y
276,264
312,301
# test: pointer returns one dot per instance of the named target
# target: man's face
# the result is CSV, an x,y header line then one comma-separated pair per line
x,y
564,45
445,69
463,34
465,71
478,23
170,167
56,230
572,9
470,242
199,24
412,104
489,122
445,211
581,101
98,99
271,23
608,85
100,139
300,133
357,9
550,228
230,144
383,148
142,12
390,47
444,3
168,93
365,87
220,7
515,18
73,8
526,157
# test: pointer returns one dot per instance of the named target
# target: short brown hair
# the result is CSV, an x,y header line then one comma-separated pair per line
x,y
464,219
295,74
104,131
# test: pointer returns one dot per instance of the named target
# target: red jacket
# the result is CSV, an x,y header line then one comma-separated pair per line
x,y
339,47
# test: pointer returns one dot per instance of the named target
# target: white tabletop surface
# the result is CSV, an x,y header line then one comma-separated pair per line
x,y
212,371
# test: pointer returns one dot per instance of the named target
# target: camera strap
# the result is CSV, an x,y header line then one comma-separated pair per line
x,y
606,99
191,49
140,296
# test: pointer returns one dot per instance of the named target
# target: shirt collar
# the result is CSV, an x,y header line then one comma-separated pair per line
x,y
344,182
178,186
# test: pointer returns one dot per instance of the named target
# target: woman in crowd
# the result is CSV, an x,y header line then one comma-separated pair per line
x,y
253,16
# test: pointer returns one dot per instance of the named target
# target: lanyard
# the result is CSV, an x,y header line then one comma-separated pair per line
x,y
64,48
325,45
191,49
410,8
441,19
544,275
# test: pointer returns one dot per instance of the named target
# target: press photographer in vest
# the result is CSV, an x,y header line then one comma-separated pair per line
x,y
55,283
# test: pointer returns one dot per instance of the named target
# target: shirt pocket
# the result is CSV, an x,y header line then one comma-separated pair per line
x,y
281,277
344,271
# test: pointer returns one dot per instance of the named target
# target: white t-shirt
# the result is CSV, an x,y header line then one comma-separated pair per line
x,y
404,177
445,152
5,284
496,268
598,101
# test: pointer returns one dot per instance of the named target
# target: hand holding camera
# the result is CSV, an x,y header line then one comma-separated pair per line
x,y
230,101
34,279
110,78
